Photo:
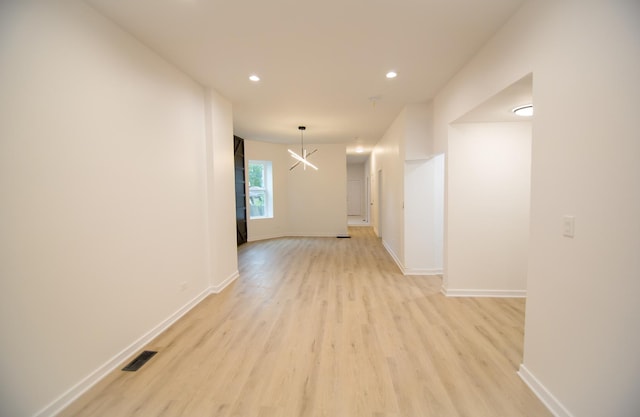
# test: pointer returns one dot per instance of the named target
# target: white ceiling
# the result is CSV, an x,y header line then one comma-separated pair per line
x,y
320,62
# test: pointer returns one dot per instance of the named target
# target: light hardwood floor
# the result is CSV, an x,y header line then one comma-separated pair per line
x,y
328,327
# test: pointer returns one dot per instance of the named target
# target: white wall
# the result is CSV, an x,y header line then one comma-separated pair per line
x,y
411,223
424,199
306,202
103,182
489,186
388,157
355,172
581,338
418,137
221,209
317,200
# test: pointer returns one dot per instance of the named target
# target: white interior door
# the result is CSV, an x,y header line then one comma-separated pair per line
x,y
354,198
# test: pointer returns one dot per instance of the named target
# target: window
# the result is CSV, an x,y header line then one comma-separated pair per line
x,y
260,190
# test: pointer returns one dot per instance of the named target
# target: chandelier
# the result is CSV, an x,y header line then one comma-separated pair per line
x,y
302,159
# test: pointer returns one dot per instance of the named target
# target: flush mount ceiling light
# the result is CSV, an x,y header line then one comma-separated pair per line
x,y
392,74
359,149
254,78
302,159
526,110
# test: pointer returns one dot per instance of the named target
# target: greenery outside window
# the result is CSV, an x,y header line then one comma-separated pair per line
x,y
260,190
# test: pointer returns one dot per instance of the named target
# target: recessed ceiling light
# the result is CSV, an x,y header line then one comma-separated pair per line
x,y
526,110
392,74
254,78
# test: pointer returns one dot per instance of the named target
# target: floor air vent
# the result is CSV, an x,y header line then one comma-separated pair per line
x,y
137,363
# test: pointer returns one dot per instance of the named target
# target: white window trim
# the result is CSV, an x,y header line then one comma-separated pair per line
x,y
267,171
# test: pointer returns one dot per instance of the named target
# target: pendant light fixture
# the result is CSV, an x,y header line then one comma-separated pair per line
x,y
302,159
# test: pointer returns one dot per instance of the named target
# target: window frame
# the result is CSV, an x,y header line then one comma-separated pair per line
x,y
266,190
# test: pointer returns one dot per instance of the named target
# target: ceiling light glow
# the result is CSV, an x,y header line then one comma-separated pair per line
x,y
392,74
359,149
254,78
525,111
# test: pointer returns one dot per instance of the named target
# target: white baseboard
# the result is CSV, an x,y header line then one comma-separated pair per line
x,y
551,402
409,271
418,271
363,224
345,233
263,237
57,405
484,293
394,256
285,235
216,289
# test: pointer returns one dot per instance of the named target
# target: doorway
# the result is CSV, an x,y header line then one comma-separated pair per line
x,y
356,195
488,196
241,197
379,205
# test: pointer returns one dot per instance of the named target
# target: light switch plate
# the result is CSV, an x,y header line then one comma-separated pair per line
x,y
568,226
